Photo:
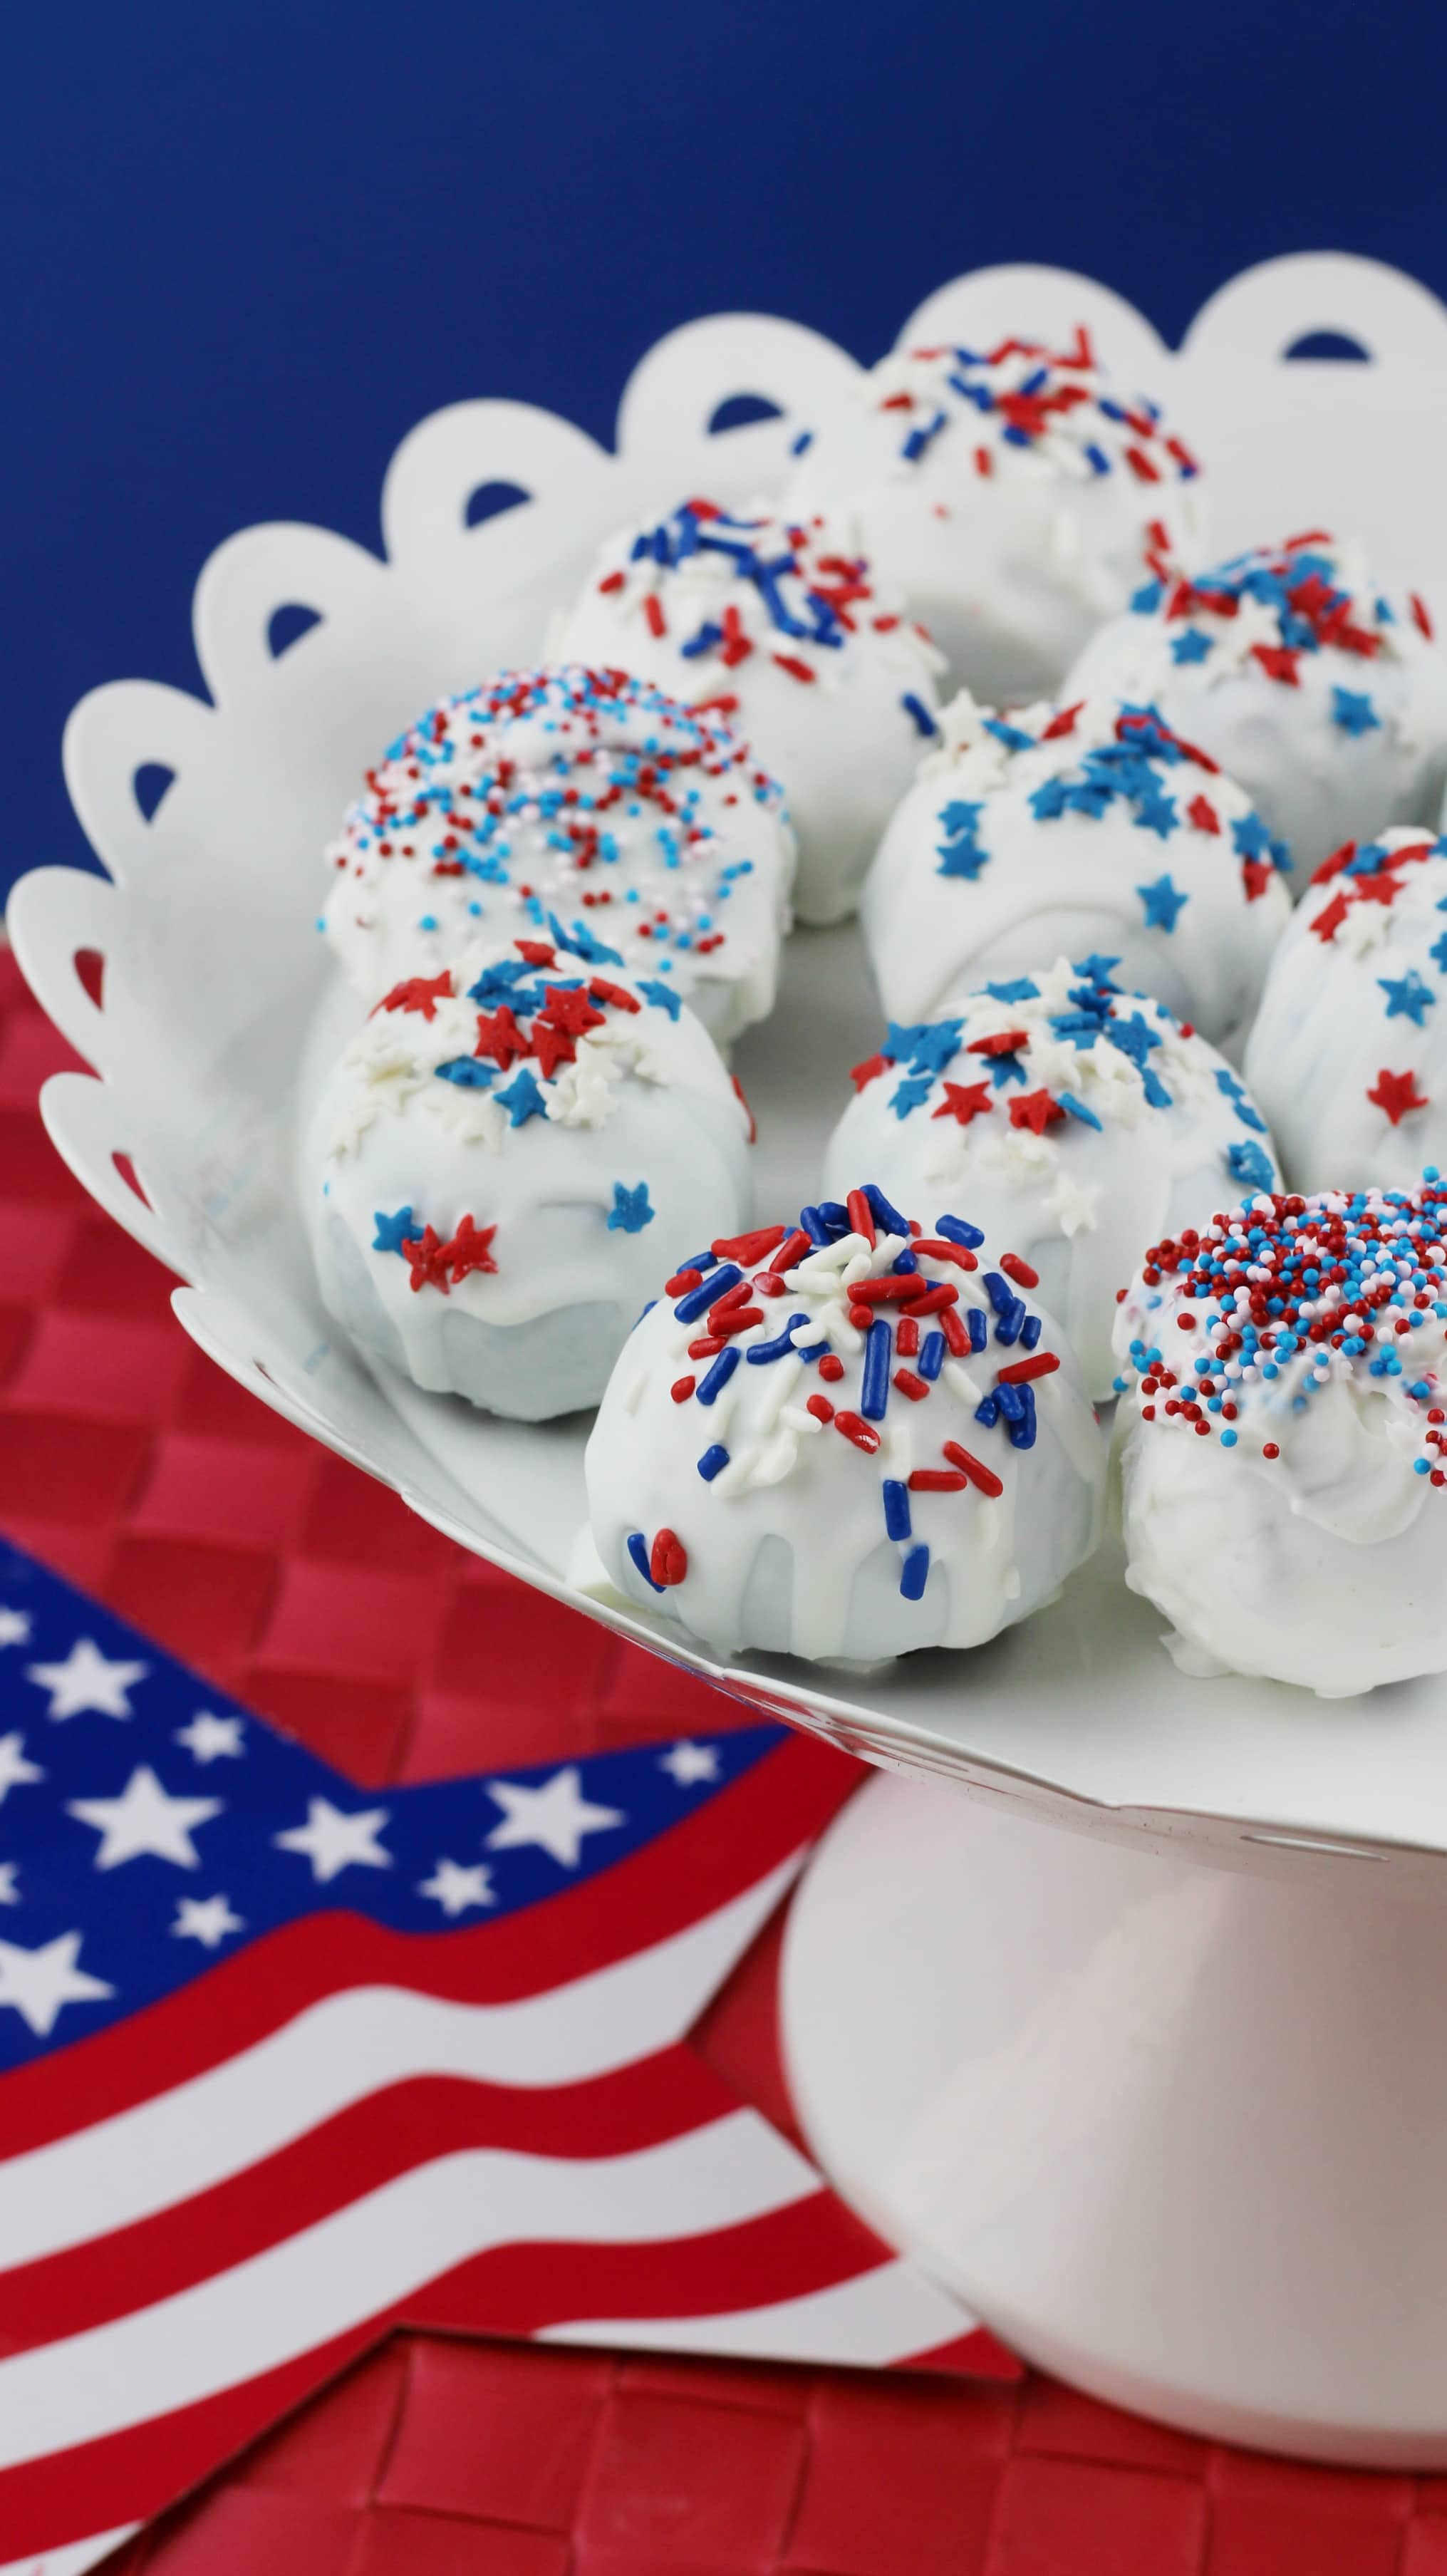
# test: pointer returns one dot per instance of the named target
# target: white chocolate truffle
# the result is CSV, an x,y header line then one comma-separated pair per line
x,y
1048,834
1284,1444
845,1440
1013,496
782,629
585,798
1073,1121
1348,1053
490,1158
1322,693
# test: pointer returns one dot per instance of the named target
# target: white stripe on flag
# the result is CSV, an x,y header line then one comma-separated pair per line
x,y
351,2045
361,2260
878,2317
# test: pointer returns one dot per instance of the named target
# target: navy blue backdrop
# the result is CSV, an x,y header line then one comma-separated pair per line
x,y
247,245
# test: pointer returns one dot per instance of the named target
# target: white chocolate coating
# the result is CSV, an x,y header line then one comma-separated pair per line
x,y
1349,1049
785,1529
785,631
585,797
536,1188
1339,731
1040,834
1011,495
1104,1128
1289,1523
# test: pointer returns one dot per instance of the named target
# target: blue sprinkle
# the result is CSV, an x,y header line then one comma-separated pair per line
x,y
1096,458
932,1356
1030,1332
989,1412
1011,1321
957,1229
874,1392
1408,997
977,1328
911,1094
1011,1401
393,1231
468,1071
718,1377
522,1099
1190,646
1354,713
1145,601
914,1574
883,1213
1022,1431
1012,736
713,1458
804,439
915,707
896,1508
580,942
815,1227
759,1354
1021,990
1162,903
630,1211
1246,1162
663,994
696,1301
1077,1109
836,1217
638,1550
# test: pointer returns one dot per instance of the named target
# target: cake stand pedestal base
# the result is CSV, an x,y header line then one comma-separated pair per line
x,y
1177,2134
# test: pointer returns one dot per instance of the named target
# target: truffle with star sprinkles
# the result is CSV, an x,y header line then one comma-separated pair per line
x,y
844,1439
579,798
1348,1053
494,1160
1063,831
782,628
1324,693
1073,1120
1284,1391
1012,493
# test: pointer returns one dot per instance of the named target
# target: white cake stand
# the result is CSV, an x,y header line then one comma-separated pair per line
x,y
1164,2095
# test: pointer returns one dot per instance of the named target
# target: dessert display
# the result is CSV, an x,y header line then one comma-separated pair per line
x,y
782,628
1066,831
495,1159
1345,1053
845,1439
1075,1121
1286,1437
565,802
1321,691
1013,494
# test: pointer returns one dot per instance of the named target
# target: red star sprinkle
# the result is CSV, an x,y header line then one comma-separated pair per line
x,y
1333,866
870,1070
1396,1093
419,993
1203,814
469,1249
1035,1110
1063,723
571,1011
553,1046
536,952
1256,876
499,1036
427,1257
1329,920
965,1100
1278,662
1004,1042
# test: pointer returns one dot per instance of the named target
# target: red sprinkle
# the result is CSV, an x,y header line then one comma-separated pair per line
x,y
936,1480
668,1558
939,1249
980,1475
906,1339
653,611
911,1385
1018,1270
953,1328
682,1388
934,1301
861,1215
1270,1450
681,1281
855,1428
746,1248
831,1367
1020,1372
820,1407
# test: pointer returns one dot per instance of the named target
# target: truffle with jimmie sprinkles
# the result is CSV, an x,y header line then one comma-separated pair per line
x,y
495,1159
1284,1394
844,1439
1011,492
1073,1120
1318,688
1348,1053
1066,831
573,802
780,626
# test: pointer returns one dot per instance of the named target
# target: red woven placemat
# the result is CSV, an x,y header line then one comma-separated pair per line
x,y
139,1470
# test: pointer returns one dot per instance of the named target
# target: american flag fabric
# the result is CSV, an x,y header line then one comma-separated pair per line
x,y
285,2063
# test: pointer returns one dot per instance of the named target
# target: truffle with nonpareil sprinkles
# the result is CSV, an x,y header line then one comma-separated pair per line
x,y
1075,1121
495,1158
578,796
1284,1381
1348,1053
1316,685
782,627
1065,830
1012,492
845,1438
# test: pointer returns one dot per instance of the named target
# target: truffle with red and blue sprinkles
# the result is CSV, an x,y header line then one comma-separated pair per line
x,y
1011,492
782,628
573,801
495,1159
1348,1053
1065,831
1319,687
1074,1120
1284,1395
845,1438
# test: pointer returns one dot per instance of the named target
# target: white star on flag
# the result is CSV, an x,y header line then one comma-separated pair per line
x,y
9,1892
87,1680
208,1736
686,1763
555,1817
14,1627
456,1887
206,1919
332,1840
15,1771
144,1819
37,1983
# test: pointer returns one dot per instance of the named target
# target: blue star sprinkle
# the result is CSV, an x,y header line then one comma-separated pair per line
x,y
663,994
1192,645
926,1048
393,1231
630,1211
960,853
912,1093
1408,998
1246,1162
468,1071
1227,1083
522,1099
1162,904
1022,990
1353,712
